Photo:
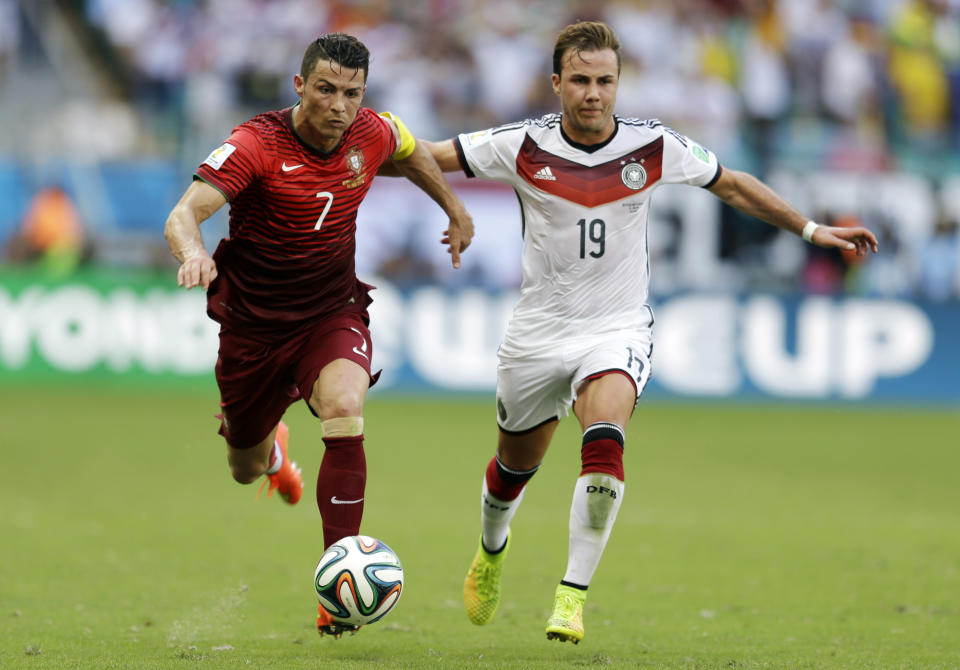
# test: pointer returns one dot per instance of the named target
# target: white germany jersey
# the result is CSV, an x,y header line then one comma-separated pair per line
x,y
584,211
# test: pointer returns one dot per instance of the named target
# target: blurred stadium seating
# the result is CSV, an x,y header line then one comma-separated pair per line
x,y
118,100
849,108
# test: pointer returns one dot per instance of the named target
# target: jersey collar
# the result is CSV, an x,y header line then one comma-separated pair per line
x,y
591,148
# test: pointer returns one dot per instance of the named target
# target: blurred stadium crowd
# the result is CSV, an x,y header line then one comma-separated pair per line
x,y
863,87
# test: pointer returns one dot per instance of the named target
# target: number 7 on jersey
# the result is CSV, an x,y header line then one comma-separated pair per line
x,y
326,208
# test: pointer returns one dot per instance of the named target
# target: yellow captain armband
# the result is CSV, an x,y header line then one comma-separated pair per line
x,y
407,141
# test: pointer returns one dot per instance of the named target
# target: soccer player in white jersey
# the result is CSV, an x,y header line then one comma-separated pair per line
x,y
580,334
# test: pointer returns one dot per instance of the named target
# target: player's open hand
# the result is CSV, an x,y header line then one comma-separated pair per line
x,y
458,235
857,239
197,270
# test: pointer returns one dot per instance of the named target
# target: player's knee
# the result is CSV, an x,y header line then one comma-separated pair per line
x,y
246,465
343,404
247,472
243,475
602,450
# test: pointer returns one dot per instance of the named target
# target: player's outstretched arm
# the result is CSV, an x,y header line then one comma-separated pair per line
x,y
182,232
751,196
422,169
444,152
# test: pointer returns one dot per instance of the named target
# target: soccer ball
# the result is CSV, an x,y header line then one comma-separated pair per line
x,y
358,580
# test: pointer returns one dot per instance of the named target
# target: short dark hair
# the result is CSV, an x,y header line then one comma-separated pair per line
x,y
344,50
585,36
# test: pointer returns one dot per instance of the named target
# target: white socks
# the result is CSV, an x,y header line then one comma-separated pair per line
x,y
596,501
275,460
495,518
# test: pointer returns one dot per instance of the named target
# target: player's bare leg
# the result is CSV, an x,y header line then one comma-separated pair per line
x,y
603,406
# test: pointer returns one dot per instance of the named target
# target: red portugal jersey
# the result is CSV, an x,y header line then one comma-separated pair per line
x,y
289,259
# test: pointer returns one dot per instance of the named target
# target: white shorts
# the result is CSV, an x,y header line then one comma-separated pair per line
x,y
541,384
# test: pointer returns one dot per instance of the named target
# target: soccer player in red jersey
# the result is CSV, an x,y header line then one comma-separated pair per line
x,y
292,313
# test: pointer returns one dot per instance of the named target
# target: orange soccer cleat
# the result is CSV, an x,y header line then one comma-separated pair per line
x,y
287,479
327,626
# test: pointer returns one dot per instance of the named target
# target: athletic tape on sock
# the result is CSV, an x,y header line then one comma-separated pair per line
x,y
342,426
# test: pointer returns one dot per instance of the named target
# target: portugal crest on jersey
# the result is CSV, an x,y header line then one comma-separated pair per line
x,y
355,163
355,160
633,176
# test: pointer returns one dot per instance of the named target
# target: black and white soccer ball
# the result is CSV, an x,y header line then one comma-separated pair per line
x,y
358,580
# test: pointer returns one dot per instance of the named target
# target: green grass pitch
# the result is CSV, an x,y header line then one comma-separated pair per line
x,y
750,537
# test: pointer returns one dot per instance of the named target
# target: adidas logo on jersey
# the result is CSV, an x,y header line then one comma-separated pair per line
x,y
545,173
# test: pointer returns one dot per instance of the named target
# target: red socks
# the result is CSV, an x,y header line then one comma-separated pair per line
x,y
504,483
602,450
340,487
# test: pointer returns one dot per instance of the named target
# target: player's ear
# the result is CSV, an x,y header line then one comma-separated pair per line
x,y
299,84
555,78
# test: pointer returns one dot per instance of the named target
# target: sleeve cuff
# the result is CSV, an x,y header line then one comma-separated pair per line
x,y
462,158
715,177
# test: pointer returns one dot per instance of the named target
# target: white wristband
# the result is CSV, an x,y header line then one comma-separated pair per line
x,y
808,229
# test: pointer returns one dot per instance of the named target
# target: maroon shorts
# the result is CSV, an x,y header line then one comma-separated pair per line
x,y
258,381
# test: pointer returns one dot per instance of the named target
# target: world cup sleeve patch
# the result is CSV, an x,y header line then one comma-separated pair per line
x,y
478,138
219,156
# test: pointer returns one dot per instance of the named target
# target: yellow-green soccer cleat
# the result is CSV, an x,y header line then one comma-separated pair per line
x,y
566,622
481,588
